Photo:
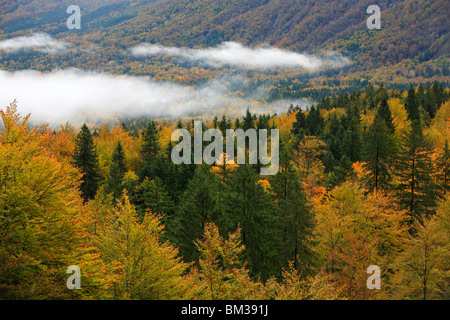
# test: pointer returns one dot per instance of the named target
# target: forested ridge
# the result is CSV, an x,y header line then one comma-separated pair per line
x,y
412,45
363,180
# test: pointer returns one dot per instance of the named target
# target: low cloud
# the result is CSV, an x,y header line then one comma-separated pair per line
x,y
39,41
237,55
76,96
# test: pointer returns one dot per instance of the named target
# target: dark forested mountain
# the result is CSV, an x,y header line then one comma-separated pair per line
x,y
411,45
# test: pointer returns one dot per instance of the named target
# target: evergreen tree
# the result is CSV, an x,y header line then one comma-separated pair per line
x,y
295,223
86,159
438,94
443,168
224,124
378,153
314,122
150,145
248,205
198,205
385,113
248,121
299,126
152,195
411,105
117,172
352,138
416,190
153,163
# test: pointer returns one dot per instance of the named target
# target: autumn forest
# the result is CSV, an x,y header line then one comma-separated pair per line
x,y
363,180
350,98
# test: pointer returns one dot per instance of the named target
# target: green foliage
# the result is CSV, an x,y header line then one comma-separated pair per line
x,y
378,154
86,159
414,170
295,222
117,172
198,206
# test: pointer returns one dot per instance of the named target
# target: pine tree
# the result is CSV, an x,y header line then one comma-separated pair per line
x,y
117,172
86,159
438,94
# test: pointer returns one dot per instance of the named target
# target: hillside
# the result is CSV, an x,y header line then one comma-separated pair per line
x,y
412,45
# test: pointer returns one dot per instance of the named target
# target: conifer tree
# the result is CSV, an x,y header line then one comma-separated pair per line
x,y
385,113
378,154
299,126
199,204
248,121
443,169
295,223
224,124
314,122
86,159
117,171
352,138
416,190
150,145
152,195
248,205
411,105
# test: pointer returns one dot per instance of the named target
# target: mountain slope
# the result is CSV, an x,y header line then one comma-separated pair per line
x,y
414,34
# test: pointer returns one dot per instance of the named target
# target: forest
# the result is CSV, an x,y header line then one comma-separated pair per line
x,y
363,180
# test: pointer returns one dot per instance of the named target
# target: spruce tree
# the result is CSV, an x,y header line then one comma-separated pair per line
x,y
248,205
224,124
314,122
385,113
299,126
417,189
150,151
411,105
86,159
295,220
248,121
352,138
152,195
443,169
198,205
117,172
150,145
378,154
